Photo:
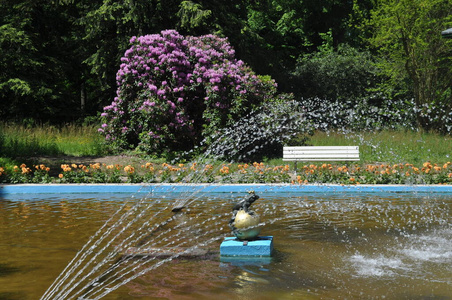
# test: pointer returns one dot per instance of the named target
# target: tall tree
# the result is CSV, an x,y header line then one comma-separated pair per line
x,y
408,34
35,76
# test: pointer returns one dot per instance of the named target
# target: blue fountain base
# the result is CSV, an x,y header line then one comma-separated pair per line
x,y
262,246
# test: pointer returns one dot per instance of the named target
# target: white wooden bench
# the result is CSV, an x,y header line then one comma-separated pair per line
x,y
320,153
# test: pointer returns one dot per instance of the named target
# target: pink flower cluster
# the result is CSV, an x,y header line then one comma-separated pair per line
x,y
175,90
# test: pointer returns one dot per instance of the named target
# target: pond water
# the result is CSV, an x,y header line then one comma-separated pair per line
x,y
327,246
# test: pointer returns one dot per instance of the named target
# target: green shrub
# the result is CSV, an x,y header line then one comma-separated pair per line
x,y
343,74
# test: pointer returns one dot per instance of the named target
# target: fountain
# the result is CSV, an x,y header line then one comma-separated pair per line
x,y
330,245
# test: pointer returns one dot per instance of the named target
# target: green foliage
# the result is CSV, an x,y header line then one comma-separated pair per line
x,y
192,16
407,34
343,74
36,78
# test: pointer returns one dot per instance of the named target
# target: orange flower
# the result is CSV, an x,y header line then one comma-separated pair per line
x,y
129,169
427,165
60,176
95,166
66,168
224,169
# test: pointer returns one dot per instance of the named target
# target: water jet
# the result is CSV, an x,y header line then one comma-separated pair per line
x,y
331,243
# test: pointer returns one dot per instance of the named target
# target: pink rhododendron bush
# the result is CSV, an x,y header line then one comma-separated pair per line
x,y
173,91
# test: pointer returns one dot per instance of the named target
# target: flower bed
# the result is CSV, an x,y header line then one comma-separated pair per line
x,y
428,173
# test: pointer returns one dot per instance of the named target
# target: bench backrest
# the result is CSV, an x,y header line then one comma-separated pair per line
x,y
321,153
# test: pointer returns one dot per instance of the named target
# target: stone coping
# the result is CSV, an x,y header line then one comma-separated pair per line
x,y
292,189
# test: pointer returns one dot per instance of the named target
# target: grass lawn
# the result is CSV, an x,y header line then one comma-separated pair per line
x,y
71,144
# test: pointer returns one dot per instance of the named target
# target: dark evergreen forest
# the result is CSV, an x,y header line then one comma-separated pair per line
x,y
58,59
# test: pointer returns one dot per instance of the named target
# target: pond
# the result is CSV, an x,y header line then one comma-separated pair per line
x,y
327,246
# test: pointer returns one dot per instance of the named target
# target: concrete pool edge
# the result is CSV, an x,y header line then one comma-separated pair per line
x,y
6,189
